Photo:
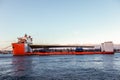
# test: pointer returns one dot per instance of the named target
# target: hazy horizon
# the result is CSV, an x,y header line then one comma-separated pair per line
x,y
60,21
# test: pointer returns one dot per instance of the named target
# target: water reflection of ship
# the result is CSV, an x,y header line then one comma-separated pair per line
x,y
108,62
21,66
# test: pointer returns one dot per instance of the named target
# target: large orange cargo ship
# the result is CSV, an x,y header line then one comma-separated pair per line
x,y
24,46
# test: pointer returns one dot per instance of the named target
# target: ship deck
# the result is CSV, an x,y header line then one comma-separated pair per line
x,y
56,46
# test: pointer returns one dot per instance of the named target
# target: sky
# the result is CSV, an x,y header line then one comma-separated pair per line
x,y
60,21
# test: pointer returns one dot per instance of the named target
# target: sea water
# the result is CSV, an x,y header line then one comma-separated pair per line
x,y
60,67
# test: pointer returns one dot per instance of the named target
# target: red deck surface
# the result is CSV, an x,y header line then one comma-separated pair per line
x,y
67,53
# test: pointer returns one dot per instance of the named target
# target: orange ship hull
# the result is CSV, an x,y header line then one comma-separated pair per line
x,y
19,50
67,53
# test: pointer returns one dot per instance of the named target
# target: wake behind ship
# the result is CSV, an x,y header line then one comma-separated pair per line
x,y
24,46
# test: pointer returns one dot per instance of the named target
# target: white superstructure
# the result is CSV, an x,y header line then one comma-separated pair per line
x,y
107,47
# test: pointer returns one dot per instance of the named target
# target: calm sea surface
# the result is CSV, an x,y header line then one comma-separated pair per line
x,y
60,67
